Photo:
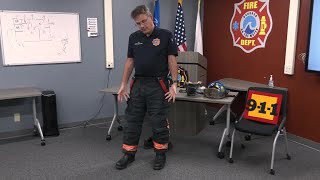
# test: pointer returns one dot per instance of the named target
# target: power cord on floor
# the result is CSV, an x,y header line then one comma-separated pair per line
x,y
87,122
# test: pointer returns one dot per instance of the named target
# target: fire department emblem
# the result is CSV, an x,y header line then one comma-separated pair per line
x,y
251,24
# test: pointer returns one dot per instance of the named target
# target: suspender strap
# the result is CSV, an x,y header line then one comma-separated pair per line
x,y
163,85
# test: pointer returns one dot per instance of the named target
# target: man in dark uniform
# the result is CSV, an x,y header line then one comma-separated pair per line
x,y
152,52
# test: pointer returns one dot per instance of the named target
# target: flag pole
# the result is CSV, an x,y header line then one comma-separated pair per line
x,y
198,43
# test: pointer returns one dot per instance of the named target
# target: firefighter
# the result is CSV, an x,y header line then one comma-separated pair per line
x,y
152,53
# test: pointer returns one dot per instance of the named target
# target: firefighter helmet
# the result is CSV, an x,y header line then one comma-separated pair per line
x,y
215,90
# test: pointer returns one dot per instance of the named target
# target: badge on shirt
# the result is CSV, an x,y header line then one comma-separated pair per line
x,y
156,42
138,43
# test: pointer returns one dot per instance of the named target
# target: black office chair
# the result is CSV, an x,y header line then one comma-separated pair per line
x,y
264,115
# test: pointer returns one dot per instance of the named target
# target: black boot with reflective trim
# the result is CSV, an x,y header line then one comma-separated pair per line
x,y
125,161
160,161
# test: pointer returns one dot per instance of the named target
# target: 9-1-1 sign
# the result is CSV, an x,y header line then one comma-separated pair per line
x,y
263,107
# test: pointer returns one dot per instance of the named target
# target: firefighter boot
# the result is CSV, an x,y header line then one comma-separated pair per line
x,y
160,161
125,161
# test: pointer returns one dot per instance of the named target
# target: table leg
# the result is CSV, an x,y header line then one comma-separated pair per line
x,y
115,115
228,119
221,110
226,133
36,121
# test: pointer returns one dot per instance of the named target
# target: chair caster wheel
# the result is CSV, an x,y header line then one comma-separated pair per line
x,y
230,160
43,143
211,123
108,138
288,157
243,146
228,144
247,137
220,155
120,128
271,172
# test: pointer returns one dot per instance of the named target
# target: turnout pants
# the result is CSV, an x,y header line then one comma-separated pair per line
x,y
147,95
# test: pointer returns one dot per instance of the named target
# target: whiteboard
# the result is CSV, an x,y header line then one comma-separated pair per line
x,y
39,37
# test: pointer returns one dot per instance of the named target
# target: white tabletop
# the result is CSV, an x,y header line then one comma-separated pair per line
x,y
113,90
239,85
202,99
184,97
15,93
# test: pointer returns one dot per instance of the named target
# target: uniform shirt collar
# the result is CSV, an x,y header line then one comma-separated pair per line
x,y
154,32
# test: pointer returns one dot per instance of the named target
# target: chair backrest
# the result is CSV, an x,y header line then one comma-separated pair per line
x,y
265,104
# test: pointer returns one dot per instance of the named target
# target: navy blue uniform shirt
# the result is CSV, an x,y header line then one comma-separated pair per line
x,y
150,54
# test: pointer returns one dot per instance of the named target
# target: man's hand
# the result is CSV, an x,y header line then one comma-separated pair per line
x,y
122,93
171,95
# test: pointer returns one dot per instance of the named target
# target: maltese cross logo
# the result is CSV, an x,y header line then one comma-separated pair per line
x,y
251,24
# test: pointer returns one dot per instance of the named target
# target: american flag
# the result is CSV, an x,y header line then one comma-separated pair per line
x,y
180,32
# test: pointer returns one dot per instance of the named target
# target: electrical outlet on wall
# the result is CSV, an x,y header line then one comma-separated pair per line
x,y
16,117
110,65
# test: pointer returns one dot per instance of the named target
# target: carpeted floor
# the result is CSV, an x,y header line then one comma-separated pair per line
x,y
83,153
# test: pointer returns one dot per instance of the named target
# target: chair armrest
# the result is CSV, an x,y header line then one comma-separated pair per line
x,y
284,119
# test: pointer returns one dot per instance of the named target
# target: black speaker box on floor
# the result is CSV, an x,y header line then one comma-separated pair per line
x,y
49,113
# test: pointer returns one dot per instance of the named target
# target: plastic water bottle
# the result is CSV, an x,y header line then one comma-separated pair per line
x,y
271,83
